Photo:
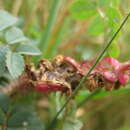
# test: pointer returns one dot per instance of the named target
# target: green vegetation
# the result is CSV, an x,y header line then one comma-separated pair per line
x,y
83,29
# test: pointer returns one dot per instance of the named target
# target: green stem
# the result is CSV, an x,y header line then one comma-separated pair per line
x,y
53,123
50,25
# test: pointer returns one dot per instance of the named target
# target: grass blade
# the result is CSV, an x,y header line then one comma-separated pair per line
x,y
49,27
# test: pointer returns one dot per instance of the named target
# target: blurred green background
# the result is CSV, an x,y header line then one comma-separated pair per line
x,y
80,29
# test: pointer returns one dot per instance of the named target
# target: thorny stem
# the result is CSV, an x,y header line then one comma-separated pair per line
x,y
54,121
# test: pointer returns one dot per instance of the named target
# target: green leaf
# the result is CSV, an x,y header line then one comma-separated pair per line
x,y
24,117
105,93
114,17
15,64
113,20
97,26
72,124
83,9
103,3
14,35
20,118
6,20
101,94
82,95
28,49
115,3
4,102
109,3
35,124
3,51
114,50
